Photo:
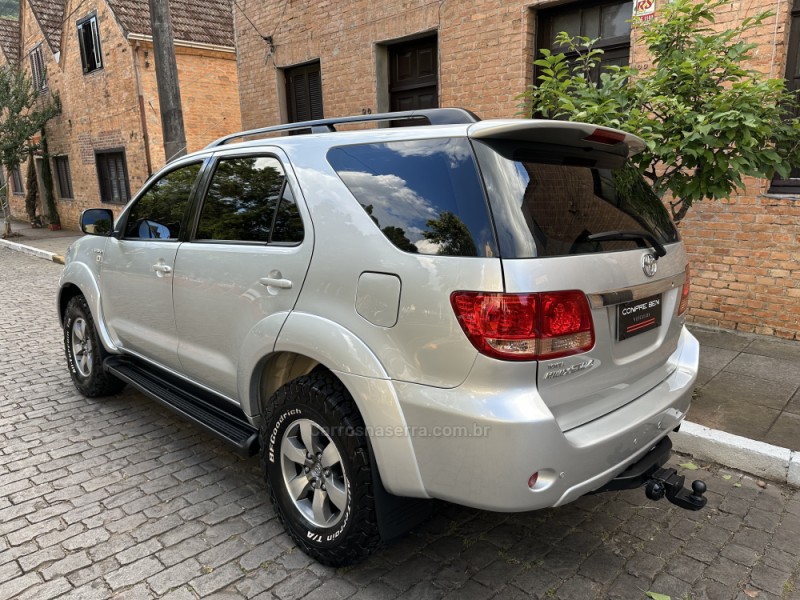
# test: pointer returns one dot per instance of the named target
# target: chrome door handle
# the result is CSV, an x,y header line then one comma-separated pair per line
x,y
162,268
284,284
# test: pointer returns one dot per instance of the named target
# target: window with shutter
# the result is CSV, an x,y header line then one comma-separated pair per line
x,y
89,41
304,92
38,75
64,177
112,173
606,22
16,182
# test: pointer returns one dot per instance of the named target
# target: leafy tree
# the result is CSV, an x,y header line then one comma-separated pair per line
x,y
452,235
706,118
396,235
23,112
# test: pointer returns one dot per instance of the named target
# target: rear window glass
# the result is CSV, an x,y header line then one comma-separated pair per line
x,y
547,201
425,196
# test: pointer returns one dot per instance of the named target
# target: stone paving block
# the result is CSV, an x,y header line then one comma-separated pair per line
x,y
133,573
769,579
157,527
259,555
15,552
46,591
221,553
175,576
138,551
87,539
216,579
18,585
41,558
333,589
26,534
183,550
296,585
68,564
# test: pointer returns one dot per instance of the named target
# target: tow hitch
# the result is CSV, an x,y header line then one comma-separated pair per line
x,y
667,482
659,481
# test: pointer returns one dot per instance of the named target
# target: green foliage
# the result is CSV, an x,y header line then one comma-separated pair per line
x,y
706,118
451,234
241,201
23,113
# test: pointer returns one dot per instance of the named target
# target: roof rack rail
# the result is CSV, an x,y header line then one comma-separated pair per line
x,y
435,116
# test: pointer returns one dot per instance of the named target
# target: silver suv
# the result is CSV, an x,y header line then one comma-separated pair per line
x,y
485,312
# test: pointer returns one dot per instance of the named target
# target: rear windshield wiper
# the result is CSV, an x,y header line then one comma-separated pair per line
x,y
637,236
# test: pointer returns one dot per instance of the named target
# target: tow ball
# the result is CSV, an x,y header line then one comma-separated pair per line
x,y
667,482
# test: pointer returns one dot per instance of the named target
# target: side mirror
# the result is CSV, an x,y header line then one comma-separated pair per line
x,y
97,221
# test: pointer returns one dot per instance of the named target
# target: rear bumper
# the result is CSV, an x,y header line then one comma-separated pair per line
x,y
477,447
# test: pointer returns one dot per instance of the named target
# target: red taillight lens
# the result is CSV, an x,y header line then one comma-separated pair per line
x,y
684,294
526,326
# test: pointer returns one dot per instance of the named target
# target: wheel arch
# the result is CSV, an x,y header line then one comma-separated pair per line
x,y
307,342
77,280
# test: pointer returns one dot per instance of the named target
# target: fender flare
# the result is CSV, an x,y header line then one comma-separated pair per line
x,y
360,371
307,335
79,275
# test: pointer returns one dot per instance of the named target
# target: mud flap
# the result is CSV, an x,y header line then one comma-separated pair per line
x,y
396,515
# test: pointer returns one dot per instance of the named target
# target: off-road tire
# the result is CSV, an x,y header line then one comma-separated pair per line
x,y
322,399
96,382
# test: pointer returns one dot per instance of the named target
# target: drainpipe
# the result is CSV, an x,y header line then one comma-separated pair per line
x,y
142,115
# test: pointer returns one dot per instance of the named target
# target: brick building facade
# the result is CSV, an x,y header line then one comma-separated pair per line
x,y
333,59
97,55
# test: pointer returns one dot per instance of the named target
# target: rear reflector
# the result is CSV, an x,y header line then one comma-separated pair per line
x,y
536,326
604,136
684,304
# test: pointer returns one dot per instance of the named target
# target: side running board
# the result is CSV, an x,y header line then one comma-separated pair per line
x,y
199,406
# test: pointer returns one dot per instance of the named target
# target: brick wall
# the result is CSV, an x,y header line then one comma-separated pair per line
x,y
743,250
101,110
209,94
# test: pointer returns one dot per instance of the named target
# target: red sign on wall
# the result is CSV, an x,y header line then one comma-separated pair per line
x,y
644,10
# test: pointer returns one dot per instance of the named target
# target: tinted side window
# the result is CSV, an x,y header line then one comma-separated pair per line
x,y
242,200
547,202
159,213
288,227
425,196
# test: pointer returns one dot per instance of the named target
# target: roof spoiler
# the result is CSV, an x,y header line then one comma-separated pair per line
x,y
563,133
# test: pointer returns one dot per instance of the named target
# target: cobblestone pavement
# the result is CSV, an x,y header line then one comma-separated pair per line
x,y
119,498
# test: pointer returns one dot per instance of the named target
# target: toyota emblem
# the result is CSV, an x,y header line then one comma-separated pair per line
x,y
649,264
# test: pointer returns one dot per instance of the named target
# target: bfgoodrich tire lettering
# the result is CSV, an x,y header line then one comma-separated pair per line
x,y
85,352
316,410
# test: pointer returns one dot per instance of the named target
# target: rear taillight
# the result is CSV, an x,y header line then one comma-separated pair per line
x,y
526,326
684,294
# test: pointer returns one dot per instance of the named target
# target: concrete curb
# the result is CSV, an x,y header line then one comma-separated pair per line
x,y
30,250
764,460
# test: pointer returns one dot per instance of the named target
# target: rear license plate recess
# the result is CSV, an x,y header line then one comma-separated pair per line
x,y
638,316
